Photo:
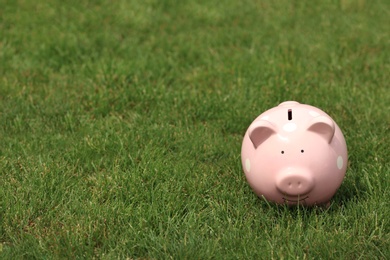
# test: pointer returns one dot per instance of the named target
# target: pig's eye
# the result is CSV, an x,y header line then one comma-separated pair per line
x,y
282,152
302,151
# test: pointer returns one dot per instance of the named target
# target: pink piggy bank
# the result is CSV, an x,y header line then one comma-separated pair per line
x,y
294,154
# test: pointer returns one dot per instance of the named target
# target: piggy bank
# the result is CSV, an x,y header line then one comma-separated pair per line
x,y
294,154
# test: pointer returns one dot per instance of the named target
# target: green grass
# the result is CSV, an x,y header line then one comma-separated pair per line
x,y
121,125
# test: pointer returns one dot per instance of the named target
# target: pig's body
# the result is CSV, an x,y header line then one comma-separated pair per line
x,y
294,153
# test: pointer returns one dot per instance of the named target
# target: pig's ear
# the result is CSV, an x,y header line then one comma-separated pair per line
x,y
322,126
260,131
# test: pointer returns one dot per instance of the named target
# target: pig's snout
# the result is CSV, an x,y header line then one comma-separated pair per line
x,y
295,184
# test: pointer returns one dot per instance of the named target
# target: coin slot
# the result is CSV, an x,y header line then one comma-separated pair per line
x,y
289,114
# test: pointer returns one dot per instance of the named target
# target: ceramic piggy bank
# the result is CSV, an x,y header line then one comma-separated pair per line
x,y
294,154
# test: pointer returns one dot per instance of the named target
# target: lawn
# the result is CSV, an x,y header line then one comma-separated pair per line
x,y
121,125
